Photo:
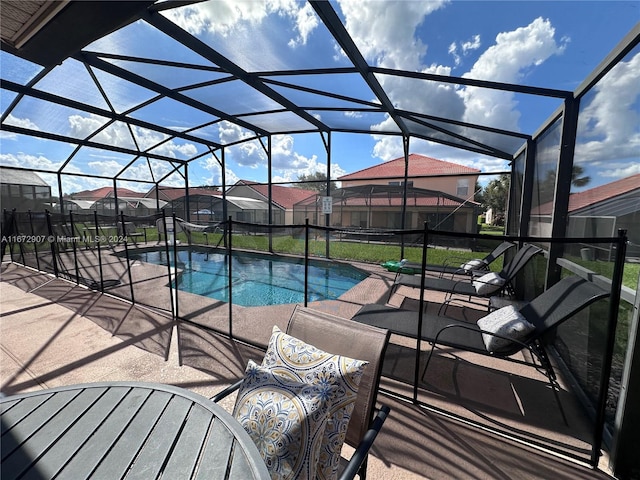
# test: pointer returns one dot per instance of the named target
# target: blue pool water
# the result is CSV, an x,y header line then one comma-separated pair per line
x,y
258,280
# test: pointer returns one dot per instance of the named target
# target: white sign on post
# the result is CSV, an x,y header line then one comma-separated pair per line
x,y
327,204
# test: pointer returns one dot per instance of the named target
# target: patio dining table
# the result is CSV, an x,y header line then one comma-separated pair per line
x,y
121,430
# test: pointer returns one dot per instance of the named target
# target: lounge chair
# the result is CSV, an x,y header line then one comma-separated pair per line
x,y
484,286
557,304
455,265
130,231
344,337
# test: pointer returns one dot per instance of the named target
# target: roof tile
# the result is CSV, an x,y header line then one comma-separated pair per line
x,y
419,165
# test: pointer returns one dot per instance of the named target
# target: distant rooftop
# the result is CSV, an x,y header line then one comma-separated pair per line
x,y
20,177
283,196
419,166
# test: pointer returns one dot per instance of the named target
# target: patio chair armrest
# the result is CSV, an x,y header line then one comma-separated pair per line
x,y
359,457
456,260
227,391
519,343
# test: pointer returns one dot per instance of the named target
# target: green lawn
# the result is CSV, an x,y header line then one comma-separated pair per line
x,y
372,252
380,253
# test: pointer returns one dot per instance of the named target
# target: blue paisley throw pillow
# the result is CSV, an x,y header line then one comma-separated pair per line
x,y
292,357
285,418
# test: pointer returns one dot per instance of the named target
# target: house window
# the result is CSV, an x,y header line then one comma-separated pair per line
x,y
359,219
463,187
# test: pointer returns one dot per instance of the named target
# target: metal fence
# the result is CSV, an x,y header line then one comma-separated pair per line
x,y
159,261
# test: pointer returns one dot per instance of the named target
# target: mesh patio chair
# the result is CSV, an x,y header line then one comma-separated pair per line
x,y
130,231
347,338
474,286
548,310
455,265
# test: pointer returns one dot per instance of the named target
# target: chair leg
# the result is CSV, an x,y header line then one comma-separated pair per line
x,y
392,291
447,300
539,351
362,473
426,365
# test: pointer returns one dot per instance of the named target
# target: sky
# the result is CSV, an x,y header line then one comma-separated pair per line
x,y
551,44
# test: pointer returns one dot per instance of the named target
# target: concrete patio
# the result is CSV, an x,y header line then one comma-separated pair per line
x,y
56,333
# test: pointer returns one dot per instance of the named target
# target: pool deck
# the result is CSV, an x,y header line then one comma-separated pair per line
x,y
56,333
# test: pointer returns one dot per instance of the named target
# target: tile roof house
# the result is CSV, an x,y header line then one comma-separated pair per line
x,y
588,200
103,192
102,200
283,198
609,207
169,194
23,190
438,192
426,172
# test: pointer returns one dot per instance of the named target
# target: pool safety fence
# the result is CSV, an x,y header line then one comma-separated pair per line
x,y
106,254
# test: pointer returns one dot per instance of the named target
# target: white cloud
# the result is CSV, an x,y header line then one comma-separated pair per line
x,y
18,122
32,162
387,147
466,48
472,44
220,17
623,171
353,114
287,163
390,147
249,153
609,122
515,51
508,60
385,31
387,37
109,168
453,50
306,22
227,17
118,134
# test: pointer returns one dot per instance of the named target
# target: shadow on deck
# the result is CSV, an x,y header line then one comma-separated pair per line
x,y
46,342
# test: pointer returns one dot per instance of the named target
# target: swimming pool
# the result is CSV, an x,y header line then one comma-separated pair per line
x,y
258,280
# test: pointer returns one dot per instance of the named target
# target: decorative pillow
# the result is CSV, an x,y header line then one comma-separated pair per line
x,y
290,356
476,264
488,283
285,418
508,322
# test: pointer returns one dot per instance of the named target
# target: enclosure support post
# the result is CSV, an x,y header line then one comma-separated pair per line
x,y
563,187
527,189
327,217
187,200
126,254
270,193
405,145
306,260
75,250
52,244
626,444
97,242
421,308
229,269
610,340
174,312
174,251
35,244
115,199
